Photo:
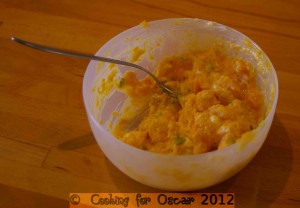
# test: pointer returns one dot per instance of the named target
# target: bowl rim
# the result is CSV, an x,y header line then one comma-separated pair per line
x,y
206,154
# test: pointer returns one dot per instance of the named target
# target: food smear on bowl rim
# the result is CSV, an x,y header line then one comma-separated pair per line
x,y
136,54
219,102
144,24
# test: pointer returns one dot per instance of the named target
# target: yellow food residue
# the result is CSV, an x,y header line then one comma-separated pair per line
x,y
219,102
136,54
144,24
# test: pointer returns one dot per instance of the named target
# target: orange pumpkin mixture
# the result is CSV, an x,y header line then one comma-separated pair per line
x,y
219,101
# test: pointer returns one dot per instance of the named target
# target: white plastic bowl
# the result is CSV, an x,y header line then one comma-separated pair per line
x,y
160,39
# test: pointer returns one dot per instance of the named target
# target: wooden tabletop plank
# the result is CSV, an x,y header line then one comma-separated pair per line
x,y
20,198
21,152
249,20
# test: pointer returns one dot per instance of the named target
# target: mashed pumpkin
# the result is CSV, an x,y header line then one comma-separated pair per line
x,y
219,101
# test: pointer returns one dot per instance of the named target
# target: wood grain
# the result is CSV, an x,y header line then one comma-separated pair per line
x,y
47,149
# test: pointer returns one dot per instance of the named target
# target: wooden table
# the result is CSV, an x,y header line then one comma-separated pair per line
x,y
47,149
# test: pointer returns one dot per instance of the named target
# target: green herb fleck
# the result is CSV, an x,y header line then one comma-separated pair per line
x,y
179,140
181,59
209,66
121,83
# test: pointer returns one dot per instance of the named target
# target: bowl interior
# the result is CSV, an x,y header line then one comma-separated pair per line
x,y
168,38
